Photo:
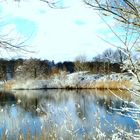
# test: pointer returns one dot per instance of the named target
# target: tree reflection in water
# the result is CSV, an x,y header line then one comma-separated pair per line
x,y
66,113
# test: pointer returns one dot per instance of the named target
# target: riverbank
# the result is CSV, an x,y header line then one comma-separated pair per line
x,y
78,80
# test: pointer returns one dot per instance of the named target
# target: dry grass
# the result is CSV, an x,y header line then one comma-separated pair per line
x,y
108,84
9,85
55,71
112,84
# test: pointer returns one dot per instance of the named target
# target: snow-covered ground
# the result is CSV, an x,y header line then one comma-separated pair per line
x,y
77,80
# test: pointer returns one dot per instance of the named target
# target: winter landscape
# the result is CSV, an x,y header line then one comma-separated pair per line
x,y
70,70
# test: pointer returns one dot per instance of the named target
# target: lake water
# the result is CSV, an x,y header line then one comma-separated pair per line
x,y
67,114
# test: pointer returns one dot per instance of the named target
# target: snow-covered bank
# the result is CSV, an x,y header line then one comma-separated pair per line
x,y
76,80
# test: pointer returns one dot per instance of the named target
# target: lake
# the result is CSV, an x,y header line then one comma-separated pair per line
x,y
68,114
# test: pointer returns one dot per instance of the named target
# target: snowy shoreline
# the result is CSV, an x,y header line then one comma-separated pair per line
x,y
78,80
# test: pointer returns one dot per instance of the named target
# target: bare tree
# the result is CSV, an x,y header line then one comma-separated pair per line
x,y
32,69
2,69
107,55
127,14
51,3
97,58
125,11
119,56
80,63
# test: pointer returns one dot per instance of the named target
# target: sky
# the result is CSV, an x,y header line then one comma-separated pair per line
x,y
54,34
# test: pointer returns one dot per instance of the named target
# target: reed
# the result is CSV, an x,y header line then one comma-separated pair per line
x,y
107,84
112,84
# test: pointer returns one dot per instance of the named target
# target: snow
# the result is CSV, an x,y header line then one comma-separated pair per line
x,y
76,80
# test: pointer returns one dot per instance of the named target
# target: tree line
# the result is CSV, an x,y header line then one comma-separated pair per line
x,y
42,69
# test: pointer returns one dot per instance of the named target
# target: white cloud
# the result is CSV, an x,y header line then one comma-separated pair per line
x,y
59,37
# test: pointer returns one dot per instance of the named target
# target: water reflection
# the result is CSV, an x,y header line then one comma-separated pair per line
x,y
66,114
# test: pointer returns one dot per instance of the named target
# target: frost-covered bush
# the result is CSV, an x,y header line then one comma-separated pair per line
x,y
133,68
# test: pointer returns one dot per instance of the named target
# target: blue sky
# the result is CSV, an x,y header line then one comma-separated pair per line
x,y
55,34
